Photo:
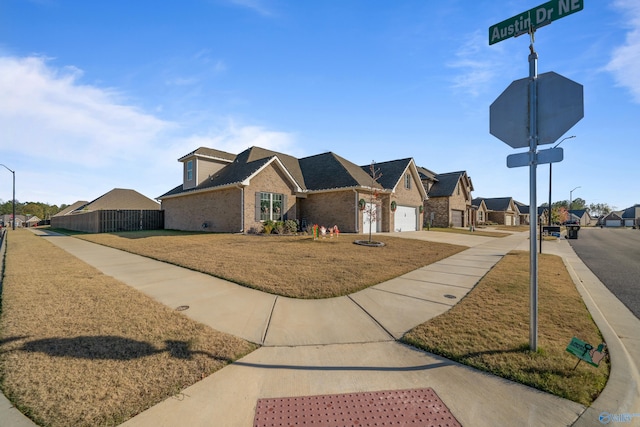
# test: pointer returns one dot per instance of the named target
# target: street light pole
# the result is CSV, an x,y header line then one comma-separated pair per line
x,y
14,195
571,200
550,164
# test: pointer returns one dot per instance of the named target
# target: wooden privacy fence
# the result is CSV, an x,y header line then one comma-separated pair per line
x,y
108,221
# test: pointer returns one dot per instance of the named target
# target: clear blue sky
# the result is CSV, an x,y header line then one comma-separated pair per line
x,y
109,94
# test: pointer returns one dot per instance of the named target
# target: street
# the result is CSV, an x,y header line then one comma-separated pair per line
x,y
613,254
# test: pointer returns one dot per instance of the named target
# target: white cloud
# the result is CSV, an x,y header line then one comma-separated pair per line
x,y
234,138
477,63
70,141
255,5
46,112
625,59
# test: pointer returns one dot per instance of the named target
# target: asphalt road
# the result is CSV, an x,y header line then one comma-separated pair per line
x,y
613,255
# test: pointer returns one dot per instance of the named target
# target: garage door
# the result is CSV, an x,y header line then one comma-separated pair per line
x,y
613,223
406,219
456,218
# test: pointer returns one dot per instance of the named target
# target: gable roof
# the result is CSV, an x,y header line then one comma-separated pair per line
x,y
321,172
328,171
393,173
73,207
496,203
446,184
632,212
121,198
210,153
579,212
427,174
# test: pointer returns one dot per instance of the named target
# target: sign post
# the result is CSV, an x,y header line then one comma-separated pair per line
x,y
515,119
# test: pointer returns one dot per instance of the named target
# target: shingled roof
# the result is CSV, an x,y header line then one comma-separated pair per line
x,y
329,171
446,184
494,204
326,171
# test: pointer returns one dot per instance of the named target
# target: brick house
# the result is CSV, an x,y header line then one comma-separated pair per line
x,y
223,192
500,210
449,201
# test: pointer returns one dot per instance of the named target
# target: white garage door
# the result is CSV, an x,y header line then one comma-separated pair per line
x,y
629,222
406,219
613,223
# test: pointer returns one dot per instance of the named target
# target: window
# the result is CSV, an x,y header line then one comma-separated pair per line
x,y
271,206
407,181
189,170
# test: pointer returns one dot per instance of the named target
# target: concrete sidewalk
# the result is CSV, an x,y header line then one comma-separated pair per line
x,y
348,344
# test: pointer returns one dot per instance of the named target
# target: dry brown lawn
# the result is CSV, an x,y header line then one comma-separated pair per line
x,y
292,266
78,348
489,329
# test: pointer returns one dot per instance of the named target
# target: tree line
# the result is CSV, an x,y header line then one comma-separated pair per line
x,y
39,209
560,209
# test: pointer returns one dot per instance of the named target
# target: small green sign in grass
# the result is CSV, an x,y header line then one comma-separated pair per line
x,y
587,352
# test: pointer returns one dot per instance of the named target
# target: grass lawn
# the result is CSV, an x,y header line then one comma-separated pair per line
x,y
489,330
292,266
78,348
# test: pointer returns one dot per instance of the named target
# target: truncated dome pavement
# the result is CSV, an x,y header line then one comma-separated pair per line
x,y
418,407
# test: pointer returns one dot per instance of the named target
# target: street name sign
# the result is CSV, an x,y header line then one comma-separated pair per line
x,y
532,19
552,155
560,106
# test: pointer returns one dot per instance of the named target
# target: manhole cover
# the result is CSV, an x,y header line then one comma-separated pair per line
x,y
388,408
182,308
450,296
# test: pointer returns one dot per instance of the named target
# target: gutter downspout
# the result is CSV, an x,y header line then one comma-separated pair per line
x,y
241,208
356,209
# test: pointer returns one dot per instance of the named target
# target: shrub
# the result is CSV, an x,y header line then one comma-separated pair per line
x,y
291,226
279,227
268,226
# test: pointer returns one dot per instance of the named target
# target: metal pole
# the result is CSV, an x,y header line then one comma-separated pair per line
x,y
533,144
14,194
549,222
14,200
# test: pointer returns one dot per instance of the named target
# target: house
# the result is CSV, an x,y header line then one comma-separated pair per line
x,y
449,201
7,220
631,216
481,211
612,219
500,210
580,216
223,192
117,210
524,215
32,221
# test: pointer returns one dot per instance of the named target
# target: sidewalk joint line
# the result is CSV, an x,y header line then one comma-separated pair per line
x,y
414,297
266,329
373,318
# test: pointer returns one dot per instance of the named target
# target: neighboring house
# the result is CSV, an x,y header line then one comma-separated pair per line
x,y
481,211
117,210
449,201
525,214
223,192
612,219
581,216
32,221
7,220
500,210
631,216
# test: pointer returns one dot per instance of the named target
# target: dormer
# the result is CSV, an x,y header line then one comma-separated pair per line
x,y
202,163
